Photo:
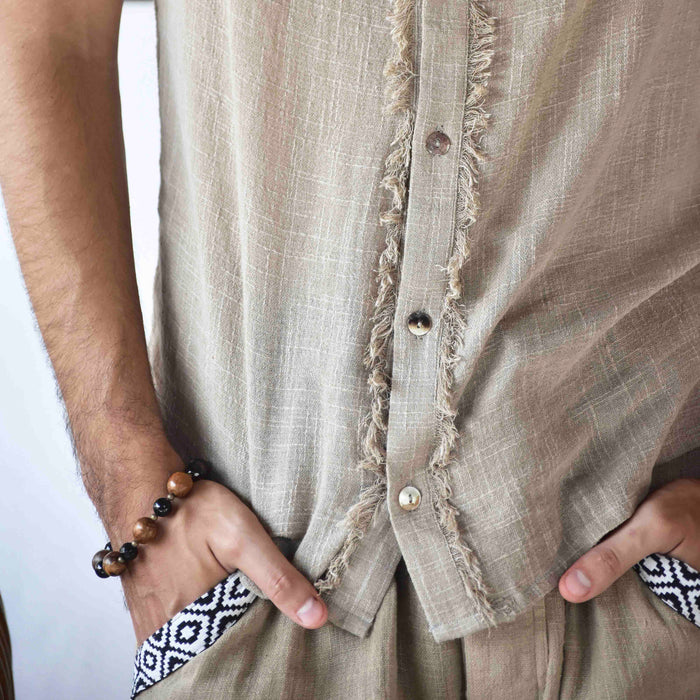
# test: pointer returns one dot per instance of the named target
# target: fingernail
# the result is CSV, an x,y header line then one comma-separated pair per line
x,y
578,583
310,612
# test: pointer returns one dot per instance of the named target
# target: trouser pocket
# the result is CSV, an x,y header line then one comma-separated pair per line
x,y
190,631
626,643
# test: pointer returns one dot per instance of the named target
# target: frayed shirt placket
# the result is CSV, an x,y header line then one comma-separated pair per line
x,y
436,83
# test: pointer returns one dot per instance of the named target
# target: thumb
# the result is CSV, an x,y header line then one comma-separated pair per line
x,y
614,554
257,555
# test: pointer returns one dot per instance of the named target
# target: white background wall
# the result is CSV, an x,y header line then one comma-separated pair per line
x,y
71,634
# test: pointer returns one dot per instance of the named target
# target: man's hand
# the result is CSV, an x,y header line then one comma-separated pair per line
x,y
210,534
63,179
667,521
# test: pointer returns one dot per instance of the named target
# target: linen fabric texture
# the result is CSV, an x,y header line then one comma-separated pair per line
x,y
624,644
555,247
415,663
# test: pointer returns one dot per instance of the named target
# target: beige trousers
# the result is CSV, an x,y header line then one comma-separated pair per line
x,y
626,643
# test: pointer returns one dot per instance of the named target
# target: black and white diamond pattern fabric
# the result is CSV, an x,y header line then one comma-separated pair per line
x,y
674,581
190,631
202,622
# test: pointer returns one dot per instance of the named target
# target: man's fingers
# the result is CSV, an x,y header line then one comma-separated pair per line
x,y
647,531
283,583
260,559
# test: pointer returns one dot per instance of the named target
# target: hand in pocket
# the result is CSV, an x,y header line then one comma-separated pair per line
x,y
667,521
211,534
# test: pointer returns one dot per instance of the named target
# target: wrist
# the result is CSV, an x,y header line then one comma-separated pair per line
x,y
112,560
131,487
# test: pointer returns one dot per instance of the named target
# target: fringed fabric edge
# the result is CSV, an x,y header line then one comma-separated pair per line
x,y
399,93
453,315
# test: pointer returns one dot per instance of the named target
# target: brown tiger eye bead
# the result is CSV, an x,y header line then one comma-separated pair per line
x,y
179,484
112,565
144,530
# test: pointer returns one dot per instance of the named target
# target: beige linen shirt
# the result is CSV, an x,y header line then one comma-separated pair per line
x,y
428,280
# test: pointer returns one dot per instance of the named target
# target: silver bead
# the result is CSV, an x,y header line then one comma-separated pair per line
x,y
153,517
135,543
171,496
121,560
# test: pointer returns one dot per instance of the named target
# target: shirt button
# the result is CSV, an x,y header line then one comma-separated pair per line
x,y
438,143
419,323
409,498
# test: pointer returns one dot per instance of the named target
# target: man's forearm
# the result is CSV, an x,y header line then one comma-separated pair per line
x,y
63,177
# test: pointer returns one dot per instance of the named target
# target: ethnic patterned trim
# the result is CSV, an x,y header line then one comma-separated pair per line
x,y
197,626
676,583
190,631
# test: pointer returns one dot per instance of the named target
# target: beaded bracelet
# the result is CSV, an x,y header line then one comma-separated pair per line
x,y
108,562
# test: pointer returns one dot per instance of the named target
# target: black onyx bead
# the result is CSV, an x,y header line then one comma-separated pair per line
x,y
162,507
108,546
198,469
128,551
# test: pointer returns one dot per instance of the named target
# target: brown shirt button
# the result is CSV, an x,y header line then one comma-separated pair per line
x,y
419,323
438,143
